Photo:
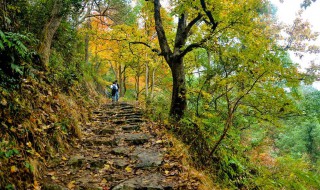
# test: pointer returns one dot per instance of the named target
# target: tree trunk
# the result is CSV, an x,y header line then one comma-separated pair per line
x,y
152,83
124,86
175,58
137,86
120,79
179,101
86,42
48,32
147,81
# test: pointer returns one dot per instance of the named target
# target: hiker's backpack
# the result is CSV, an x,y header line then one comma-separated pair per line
x,y
114,90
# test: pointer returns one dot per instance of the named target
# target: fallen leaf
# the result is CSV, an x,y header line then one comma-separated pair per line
x,y
13,169
159,141
29,144
103,181
4,102
36,185
107,166
51,173
71,184
64,158
96,156
128,169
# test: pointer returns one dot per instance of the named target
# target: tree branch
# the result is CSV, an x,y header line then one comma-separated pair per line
x,y
209,15
147,45
163,42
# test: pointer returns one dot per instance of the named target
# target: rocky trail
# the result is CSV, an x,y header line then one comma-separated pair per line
x,y
120,150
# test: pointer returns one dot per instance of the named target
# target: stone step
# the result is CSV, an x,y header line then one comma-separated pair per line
x,y
127,115
120,151
119,122
130,128
105,131
135,120
147,158
101,140
120,163
135,139
154,181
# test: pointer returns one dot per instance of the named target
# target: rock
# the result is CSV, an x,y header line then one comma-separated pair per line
x,y
136,139
102,141
119,122
89,187
96,163
52,187
120,151
149,182
134,120
77,161
130,127
148,158
120,163
106,130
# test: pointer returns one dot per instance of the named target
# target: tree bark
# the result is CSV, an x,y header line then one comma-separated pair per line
x,y
152,83
48,32
179,100
86,42
147,81
175,58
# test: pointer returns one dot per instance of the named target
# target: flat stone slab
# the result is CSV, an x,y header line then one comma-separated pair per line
x,y
106,131
134,120
96,163
122,151
77,160
149,182
136,139
53,187
120,163
102,141
147,158
130,127
119,122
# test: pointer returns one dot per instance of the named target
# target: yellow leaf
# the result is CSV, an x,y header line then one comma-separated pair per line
x,y
107,166
104,181
13,169
36,185
96,155
29,144
64,158
71,184
128,169
166,172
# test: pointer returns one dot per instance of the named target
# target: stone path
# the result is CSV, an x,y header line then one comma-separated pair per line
x,y
120,150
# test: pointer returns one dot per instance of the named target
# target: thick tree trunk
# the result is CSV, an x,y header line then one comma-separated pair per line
x,y
48,32
179,101
175,58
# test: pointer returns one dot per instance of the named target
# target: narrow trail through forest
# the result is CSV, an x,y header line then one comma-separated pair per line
x,y
120,150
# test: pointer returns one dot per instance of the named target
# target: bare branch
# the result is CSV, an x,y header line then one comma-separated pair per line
x,y
247,92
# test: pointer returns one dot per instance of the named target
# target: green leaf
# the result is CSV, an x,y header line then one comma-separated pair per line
x,y
17,68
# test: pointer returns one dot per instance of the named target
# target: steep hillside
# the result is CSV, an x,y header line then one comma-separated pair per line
x,y
39,121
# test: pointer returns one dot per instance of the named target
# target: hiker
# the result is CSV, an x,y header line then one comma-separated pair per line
x,y
115,91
